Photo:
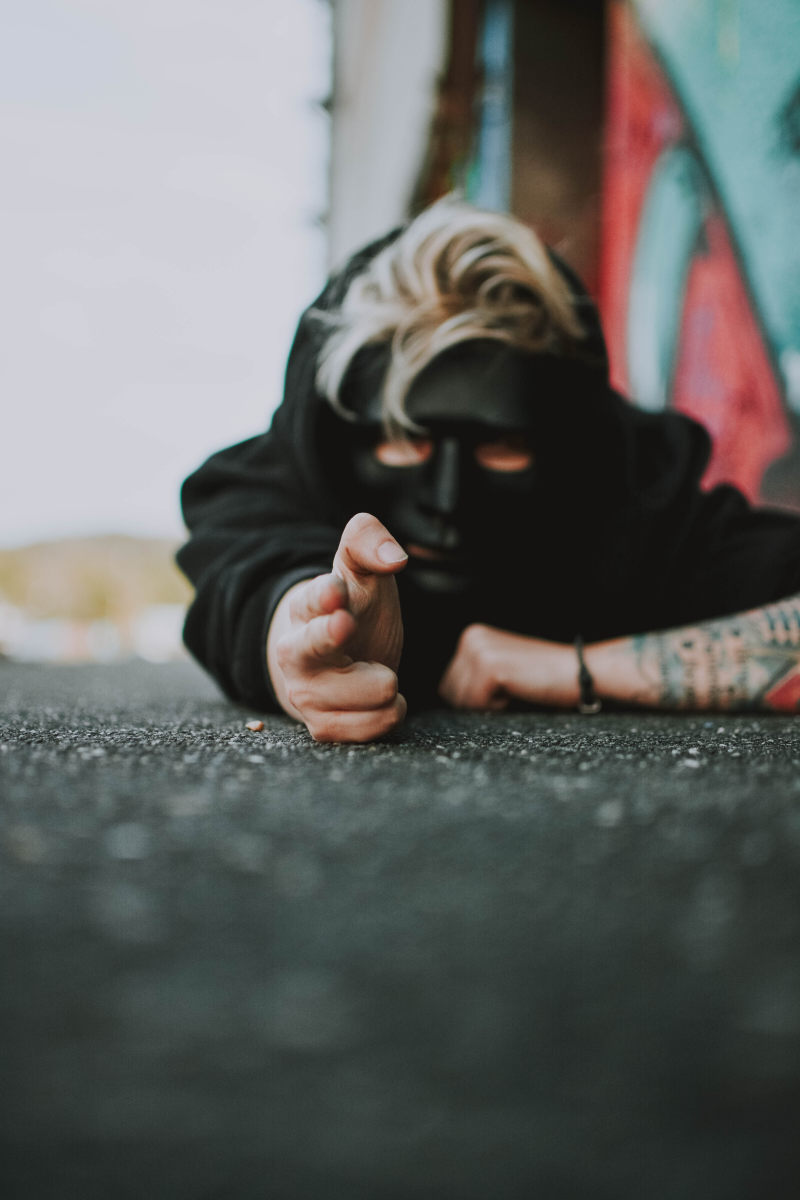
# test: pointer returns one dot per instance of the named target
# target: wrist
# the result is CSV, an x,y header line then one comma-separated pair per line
x,y
571,686
544,673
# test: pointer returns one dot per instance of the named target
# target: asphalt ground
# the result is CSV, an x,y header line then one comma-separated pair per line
x,y
528,955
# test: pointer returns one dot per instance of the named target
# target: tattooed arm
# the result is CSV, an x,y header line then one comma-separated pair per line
x,y
746,662
750,661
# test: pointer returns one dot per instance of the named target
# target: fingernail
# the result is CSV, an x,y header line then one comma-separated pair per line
x,y
390,552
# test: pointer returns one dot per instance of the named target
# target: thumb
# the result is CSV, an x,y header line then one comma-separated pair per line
x,y
367,548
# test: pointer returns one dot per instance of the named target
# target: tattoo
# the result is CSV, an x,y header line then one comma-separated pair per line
x,y
747,661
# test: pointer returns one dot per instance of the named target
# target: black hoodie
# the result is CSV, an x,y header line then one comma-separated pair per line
x,y
618,538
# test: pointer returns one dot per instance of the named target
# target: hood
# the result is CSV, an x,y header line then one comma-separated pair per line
x,y
618,497
296,422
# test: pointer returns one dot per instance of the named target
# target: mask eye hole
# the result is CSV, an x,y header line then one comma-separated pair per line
x,y
510,453
403,452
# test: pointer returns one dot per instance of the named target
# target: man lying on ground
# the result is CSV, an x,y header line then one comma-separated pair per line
x,y
522,532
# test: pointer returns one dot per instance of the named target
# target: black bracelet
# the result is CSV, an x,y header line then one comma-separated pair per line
x,y
588,703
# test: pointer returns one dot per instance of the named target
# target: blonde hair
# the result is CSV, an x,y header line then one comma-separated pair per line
x,y
454,274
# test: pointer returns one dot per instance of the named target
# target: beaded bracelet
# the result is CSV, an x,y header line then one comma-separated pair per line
x,y
588,703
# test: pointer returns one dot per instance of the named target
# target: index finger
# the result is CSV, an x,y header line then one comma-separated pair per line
x,y
320,596
323,637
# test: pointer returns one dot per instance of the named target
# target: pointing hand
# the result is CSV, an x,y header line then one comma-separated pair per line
x,y
335,641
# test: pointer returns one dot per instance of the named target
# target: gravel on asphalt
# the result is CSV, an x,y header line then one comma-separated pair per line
x,y
508,955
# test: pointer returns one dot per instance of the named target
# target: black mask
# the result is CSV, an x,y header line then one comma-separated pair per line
x,y
452,496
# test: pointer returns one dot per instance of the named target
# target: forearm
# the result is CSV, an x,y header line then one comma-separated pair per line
x,y
746,662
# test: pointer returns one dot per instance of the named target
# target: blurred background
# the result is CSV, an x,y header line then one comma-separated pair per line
x,y
179,176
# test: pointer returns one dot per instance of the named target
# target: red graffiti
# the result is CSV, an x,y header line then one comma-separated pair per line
x,y
642,120
723,376
785,695
721,371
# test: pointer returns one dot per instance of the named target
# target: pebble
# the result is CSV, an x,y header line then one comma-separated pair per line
x,y
255,726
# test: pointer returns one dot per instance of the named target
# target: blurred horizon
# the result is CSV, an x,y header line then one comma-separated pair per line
x,y
96,598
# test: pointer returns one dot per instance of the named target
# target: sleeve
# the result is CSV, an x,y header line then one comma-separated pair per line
x,y
259,520
254,532
711,553
738,557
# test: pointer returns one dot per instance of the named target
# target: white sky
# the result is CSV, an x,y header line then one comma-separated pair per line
x,y
163,166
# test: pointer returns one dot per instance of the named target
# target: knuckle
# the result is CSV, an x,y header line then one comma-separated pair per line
x,y
385,686
473,638
390,718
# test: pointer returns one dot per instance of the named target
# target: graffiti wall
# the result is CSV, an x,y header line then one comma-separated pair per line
x,y
700,266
